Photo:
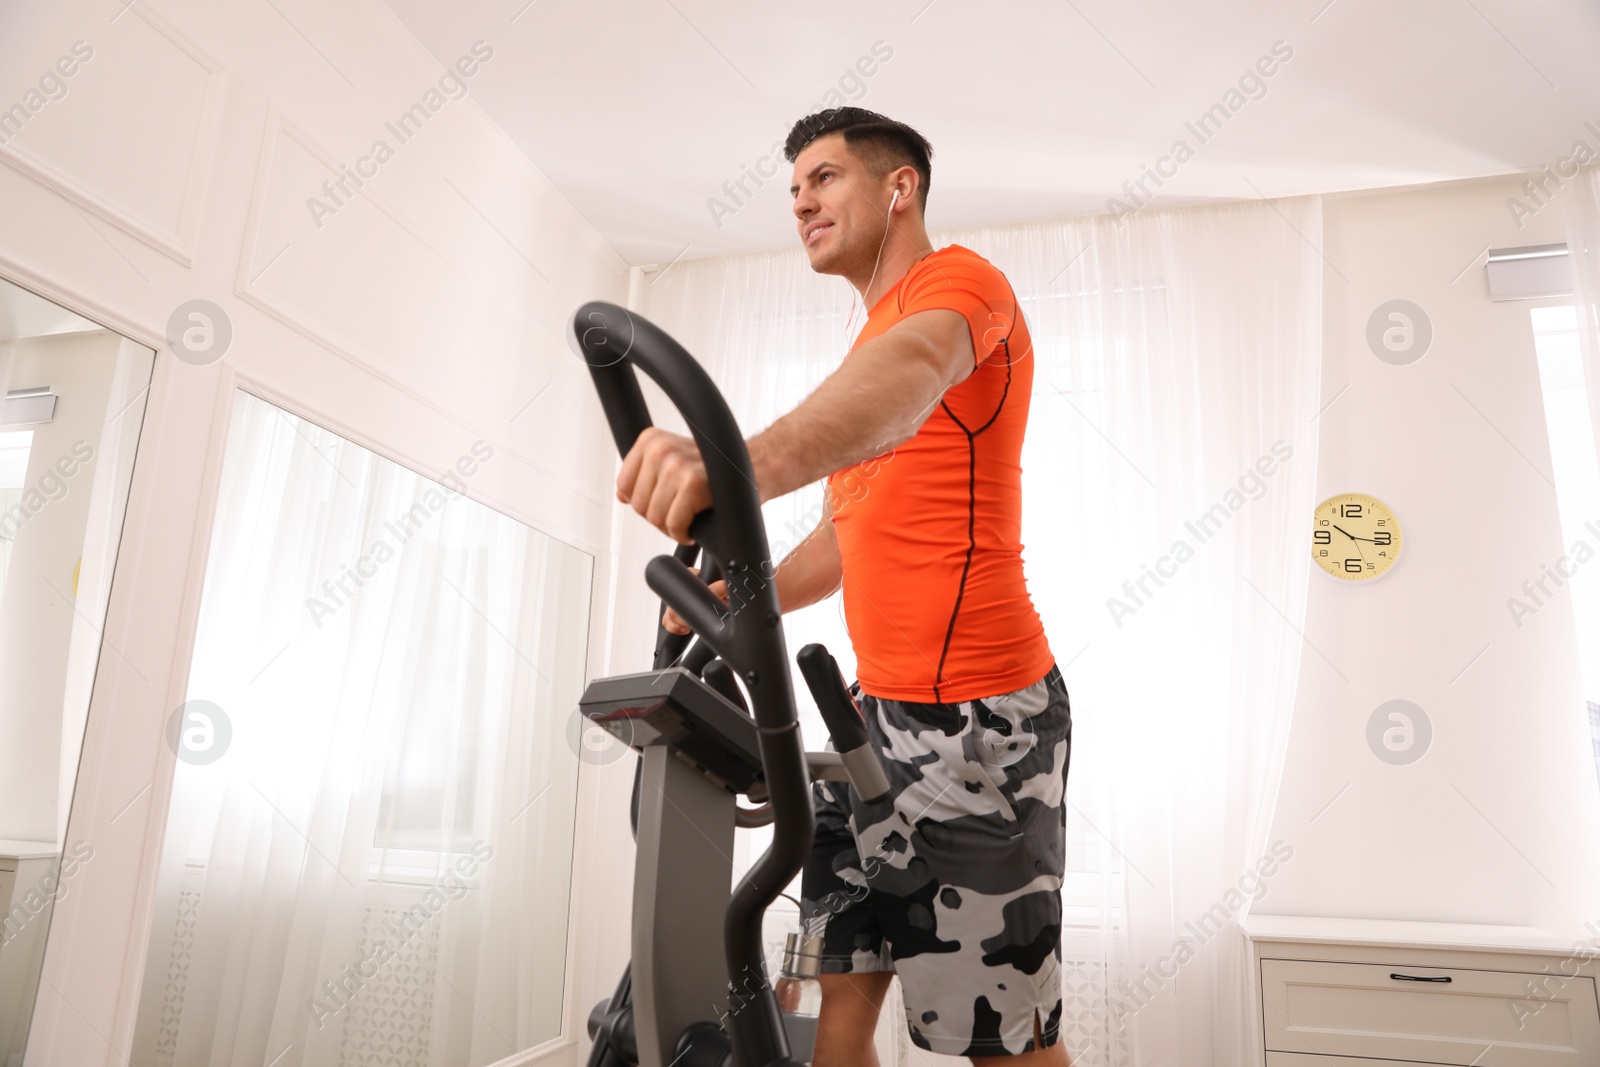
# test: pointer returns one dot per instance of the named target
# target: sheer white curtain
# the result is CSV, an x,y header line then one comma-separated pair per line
x,y
1583,245
1575,477
376,869
1168,474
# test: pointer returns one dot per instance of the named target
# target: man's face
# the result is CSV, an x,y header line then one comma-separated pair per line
x,y
839,207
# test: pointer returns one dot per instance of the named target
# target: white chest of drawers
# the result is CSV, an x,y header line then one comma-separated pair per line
x,y
1365,993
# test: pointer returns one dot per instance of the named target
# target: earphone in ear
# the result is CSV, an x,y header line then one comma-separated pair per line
x,y
893,198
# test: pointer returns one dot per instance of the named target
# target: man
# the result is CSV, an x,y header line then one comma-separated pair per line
x,y
953,883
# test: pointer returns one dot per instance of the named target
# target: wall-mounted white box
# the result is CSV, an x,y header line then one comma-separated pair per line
x,y
1529,273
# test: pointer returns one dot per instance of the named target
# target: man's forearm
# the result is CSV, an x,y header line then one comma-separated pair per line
x,y
810,573
876,400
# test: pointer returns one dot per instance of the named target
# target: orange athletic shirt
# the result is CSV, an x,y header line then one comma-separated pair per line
x,y
930,532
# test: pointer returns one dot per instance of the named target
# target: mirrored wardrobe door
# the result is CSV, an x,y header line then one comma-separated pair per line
x,y
368,849
74,402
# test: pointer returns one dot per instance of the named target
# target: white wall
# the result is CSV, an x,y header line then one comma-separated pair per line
x,y
422,315
1498,822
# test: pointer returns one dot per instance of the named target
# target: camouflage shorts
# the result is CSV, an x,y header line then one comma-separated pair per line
x,y
953,882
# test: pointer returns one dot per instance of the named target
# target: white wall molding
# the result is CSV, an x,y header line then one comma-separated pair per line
x,y
255,261
176,241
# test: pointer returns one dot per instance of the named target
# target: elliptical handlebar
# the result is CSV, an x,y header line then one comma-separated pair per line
x,y
844,722
670,646
612,342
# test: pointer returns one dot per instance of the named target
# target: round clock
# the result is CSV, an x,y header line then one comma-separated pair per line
x,y
1355,537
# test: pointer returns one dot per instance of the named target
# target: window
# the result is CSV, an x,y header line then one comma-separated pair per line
x,y
1577,478
14,448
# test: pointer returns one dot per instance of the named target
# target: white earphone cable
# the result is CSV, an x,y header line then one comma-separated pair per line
x,y
860,297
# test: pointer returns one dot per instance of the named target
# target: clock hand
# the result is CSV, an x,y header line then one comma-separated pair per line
x,y
1352,536
1356,539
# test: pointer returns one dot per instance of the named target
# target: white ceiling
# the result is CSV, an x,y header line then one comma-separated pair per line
x,y
639,110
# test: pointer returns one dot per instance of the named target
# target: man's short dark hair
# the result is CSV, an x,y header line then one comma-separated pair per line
x,y
882,143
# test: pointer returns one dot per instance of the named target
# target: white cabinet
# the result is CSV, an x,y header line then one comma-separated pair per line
x,y
1364,993
1299,1059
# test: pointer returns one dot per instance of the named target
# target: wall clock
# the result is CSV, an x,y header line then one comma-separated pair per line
x,y
1355,537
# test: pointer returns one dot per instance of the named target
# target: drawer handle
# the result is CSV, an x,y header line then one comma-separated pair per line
x,y
1421,978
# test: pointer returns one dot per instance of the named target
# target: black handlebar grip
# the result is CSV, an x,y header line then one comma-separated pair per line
x,y
719,676
602,336
843,719
689,597
696,659
670,646
839,711
673,650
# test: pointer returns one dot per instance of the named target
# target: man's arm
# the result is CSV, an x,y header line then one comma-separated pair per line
x,y
813,571
810,573
877,399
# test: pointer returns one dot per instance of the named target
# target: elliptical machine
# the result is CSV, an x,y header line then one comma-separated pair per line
x,y
696,993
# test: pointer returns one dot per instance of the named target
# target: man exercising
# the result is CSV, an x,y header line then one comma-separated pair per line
x,y
954,881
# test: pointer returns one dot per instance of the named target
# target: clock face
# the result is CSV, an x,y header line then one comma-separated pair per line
x,y
1355,537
